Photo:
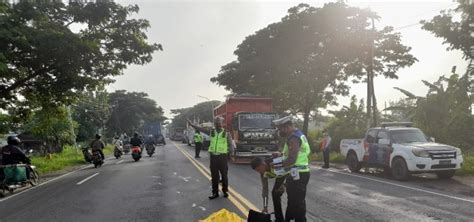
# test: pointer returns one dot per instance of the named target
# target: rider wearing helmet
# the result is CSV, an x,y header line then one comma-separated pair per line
x,y
98,145
12,154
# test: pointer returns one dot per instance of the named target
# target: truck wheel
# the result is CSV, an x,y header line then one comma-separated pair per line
x,y
400,169
445,174
352,162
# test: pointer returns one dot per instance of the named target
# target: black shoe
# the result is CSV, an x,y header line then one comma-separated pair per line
x,y
226,194
198,157
325,167
213,196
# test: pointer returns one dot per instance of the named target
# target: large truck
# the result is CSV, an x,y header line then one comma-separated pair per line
x,y
155,130
249,122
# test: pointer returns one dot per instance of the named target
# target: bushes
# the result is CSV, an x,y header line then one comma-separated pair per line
x,y
69,157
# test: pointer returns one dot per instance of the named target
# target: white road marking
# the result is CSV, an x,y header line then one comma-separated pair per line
x,y
202,208
159,183
156,177
46,182
178,192
118,162
194,205
174,173
88,178
403,186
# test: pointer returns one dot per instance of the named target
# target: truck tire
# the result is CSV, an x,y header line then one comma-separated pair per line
x,y
445,174
400,169
352,162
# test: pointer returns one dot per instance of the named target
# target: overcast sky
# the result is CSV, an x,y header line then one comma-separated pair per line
x,y
199,37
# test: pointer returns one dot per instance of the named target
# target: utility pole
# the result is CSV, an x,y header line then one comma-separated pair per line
x,y
370,76
374,100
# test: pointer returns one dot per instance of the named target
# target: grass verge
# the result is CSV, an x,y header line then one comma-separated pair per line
x,y
69,157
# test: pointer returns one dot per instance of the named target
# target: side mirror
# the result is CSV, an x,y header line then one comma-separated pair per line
x,y
432,139
384,142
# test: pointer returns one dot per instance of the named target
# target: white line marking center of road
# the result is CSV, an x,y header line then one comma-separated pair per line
x,y
88,178
118,162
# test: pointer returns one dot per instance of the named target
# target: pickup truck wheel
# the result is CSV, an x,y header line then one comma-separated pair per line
x,y
400,169
353,163
445,174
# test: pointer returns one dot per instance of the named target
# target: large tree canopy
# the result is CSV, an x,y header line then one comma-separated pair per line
x,y
201,112
129,111
457,33
305,60
43,58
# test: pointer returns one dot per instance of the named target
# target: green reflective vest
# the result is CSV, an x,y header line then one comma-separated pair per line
x,y
218,142
271,174
302,161
198,138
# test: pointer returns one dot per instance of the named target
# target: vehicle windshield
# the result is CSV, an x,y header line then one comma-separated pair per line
x,y
408,136
256,121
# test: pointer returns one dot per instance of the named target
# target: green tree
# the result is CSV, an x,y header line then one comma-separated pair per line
x,y
348,122
53,125
42,58
457,33
446,111
304,61
129,111
201,112
91,112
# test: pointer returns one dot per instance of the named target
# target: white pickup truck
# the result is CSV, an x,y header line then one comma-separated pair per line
x,y
402,150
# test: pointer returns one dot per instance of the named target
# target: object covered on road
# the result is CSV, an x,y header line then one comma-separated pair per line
x,y
223,215
255,216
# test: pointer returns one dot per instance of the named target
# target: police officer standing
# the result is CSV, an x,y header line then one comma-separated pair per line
x,y
296,158
198,138
221,143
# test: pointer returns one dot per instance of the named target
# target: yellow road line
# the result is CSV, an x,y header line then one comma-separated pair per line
x,y
231,190
238,204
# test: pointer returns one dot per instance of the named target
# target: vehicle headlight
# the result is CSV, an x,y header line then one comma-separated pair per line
x,y
421,153
458,152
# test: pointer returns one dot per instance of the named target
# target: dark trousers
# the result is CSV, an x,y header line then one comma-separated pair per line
x,y
219,166
277,192
197,149
101,153
296,191
326,157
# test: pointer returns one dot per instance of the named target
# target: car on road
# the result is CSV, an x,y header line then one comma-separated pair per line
x,y
401,150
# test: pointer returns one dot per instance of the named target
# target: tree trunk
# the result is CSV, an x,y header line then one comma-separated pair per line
x,y
306,120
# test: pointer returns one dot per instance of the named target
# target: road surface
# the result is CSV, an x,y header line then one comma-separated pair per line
x,y
173,186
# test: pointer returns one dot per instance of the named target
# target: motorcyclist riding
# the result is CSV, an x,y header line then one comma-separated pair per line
x,y
12,154
98,145
136,141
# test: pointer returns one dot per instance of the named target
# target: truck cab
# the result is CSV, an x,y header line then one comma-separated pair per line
x,y
402,150
254,134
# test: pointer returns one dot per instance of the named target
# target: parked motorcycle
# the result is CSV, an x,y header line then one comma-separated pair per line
x,y
97,159
150,149
87,155
136,153
117,152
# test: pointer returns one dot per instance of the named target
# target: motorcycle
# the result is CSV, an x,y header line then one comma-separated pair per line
x,y
150,149
117,152
136,153
126,148
97,159
17,176
87,155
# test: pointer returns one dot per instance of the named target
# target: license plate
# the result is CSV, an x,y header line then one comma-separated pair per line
x,y
444,162
259,149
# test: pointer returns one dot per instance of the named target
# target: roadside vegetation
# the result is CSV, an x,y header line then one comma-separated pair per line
x,y
69,157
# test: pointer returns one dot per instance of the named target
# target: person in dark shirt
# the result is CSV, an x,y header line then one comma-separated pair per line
x,y
98,145
136,141
12,154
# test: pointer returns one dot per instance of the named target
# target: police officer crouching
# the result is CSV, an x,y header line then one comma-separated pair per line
x,y
295,158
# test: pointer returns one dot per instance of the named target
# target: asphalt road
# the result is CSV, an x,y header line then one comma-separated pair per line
x,y
172,186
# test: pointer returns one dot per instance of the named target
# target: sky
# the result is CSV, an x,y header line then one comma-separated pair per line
x,y
200,36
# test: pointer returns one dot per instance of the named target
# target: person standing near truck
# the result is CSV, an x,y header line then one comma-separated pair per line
x,y
325,147
198,139
296,158
221,143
